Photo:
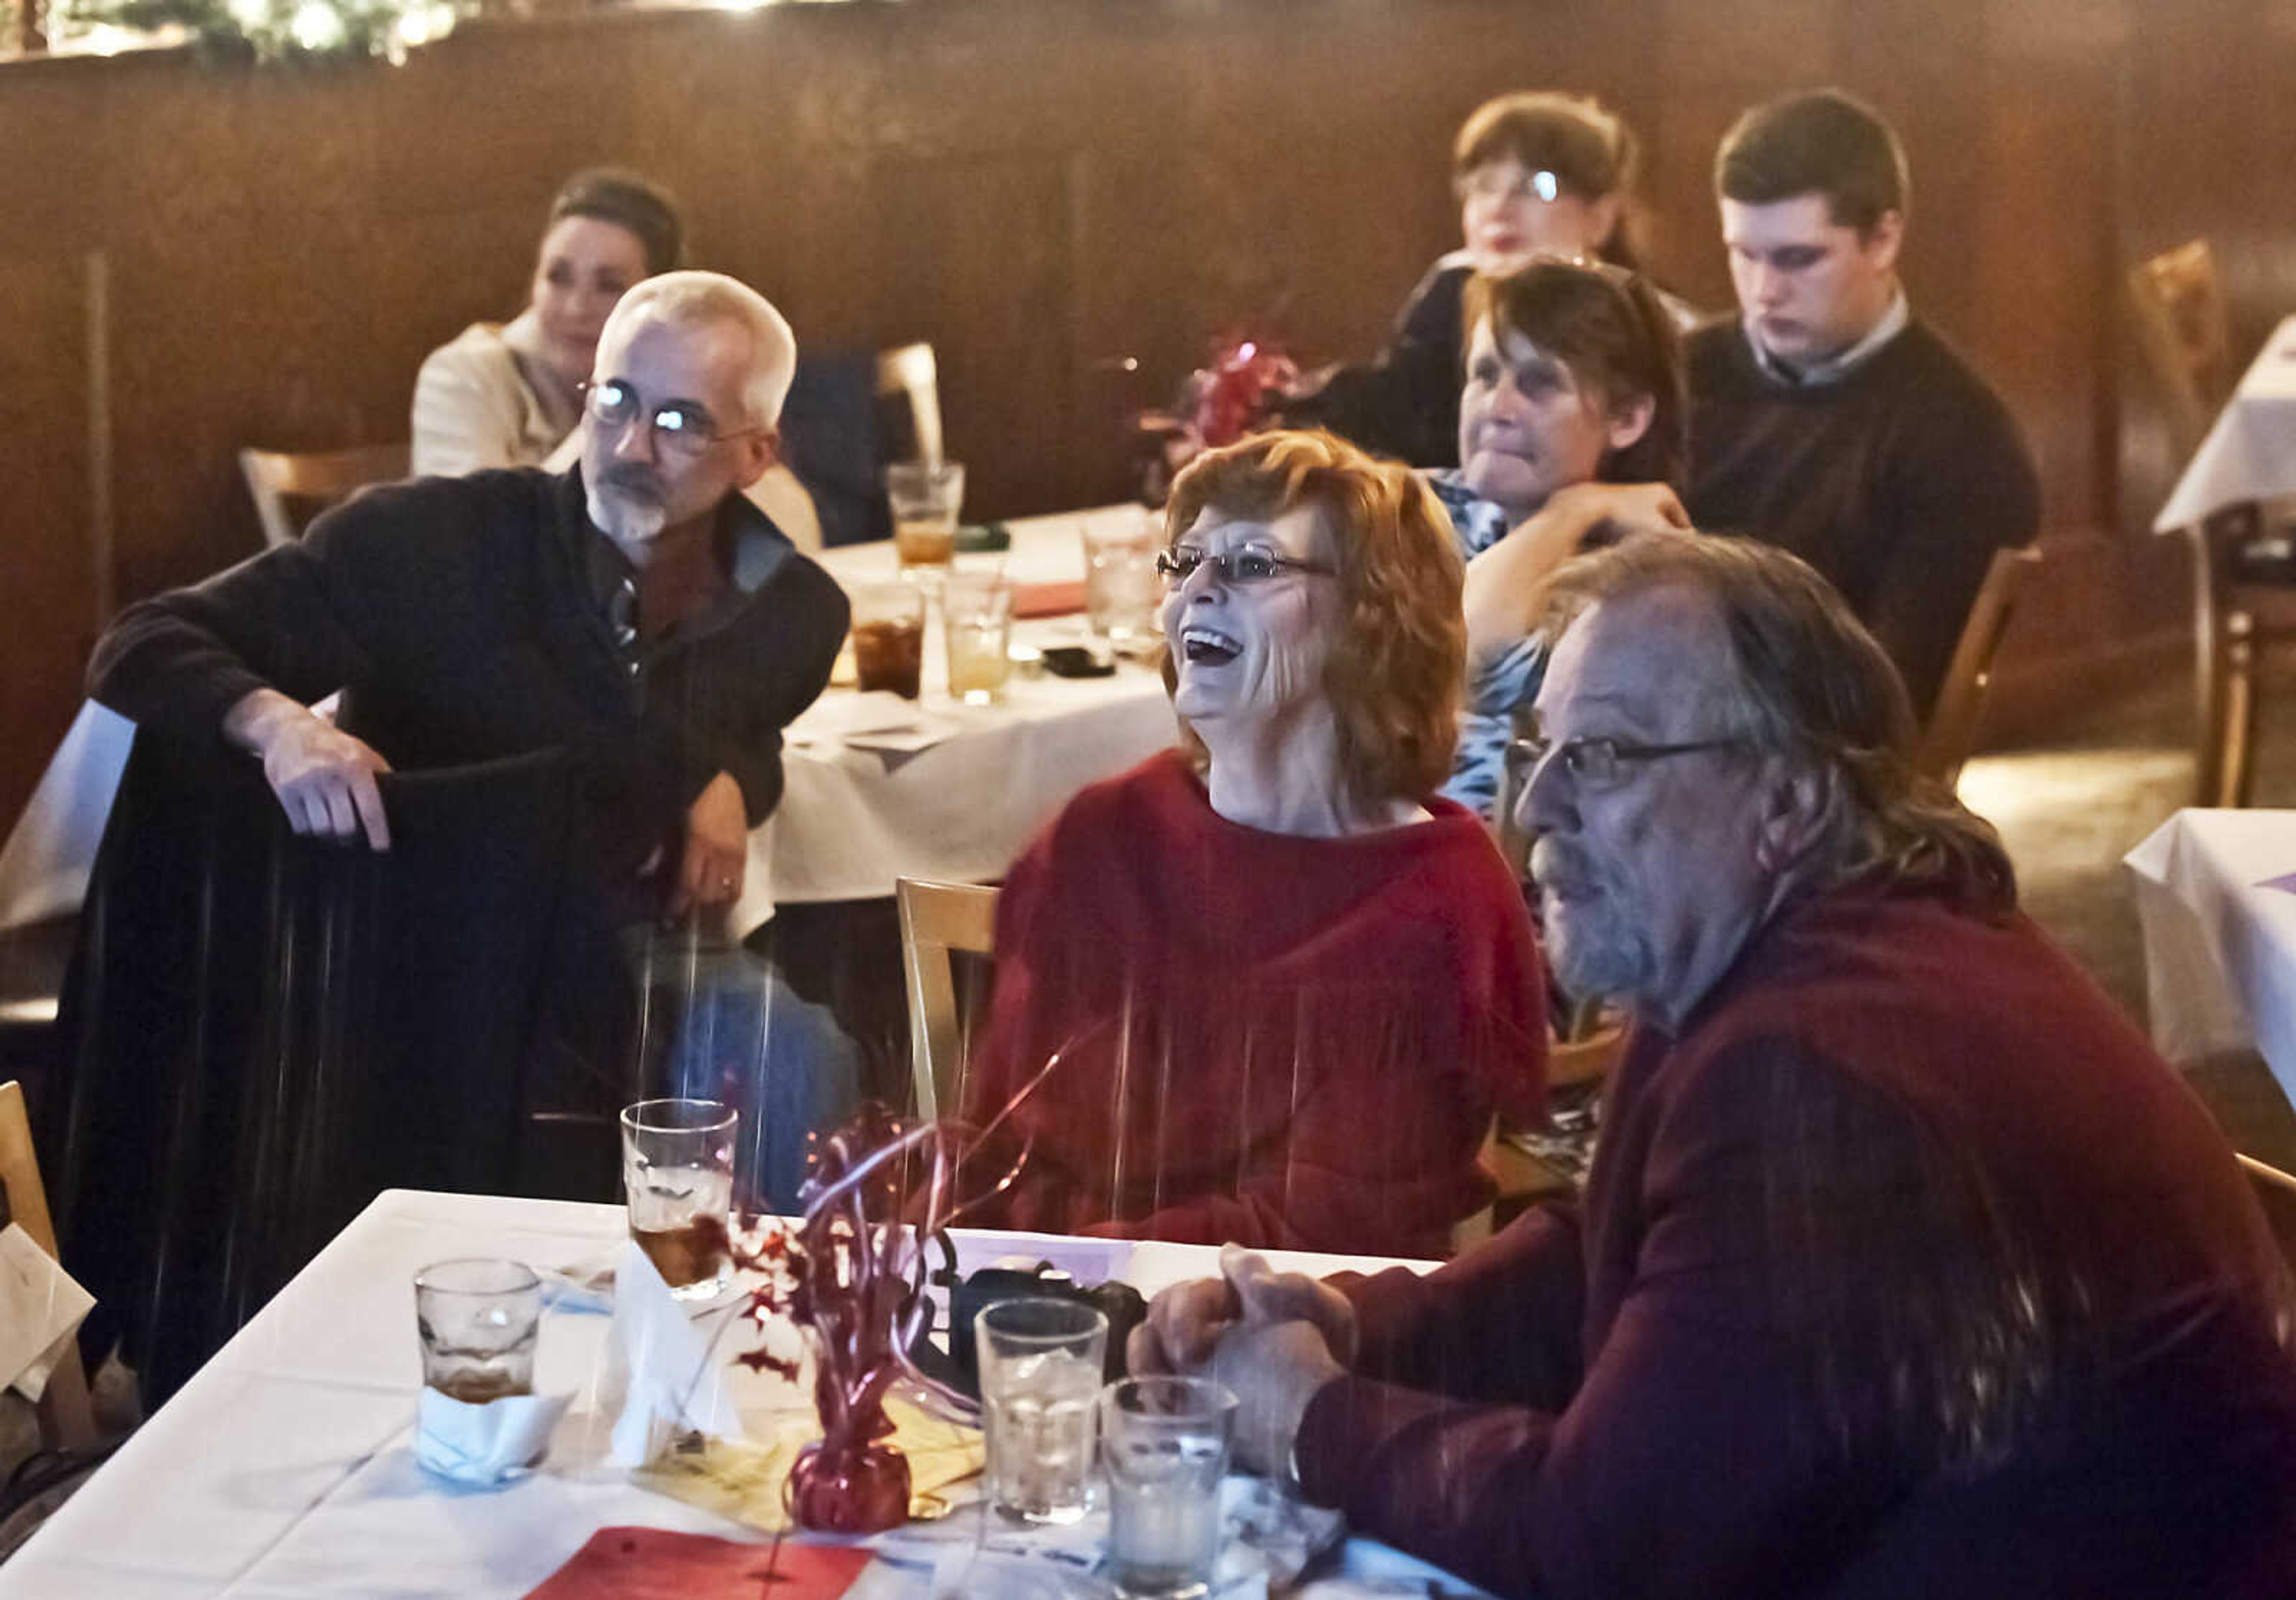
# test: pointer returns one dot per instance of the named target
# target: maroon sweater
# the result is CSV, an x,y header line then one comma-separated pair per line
x,y
1287,1042
1905,1268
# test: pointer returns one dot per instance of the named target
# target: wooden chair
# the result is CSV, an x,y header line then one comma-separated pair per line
x,y
66,1420
2243,572
910,371
1952,730
2184,329
290,490
938,919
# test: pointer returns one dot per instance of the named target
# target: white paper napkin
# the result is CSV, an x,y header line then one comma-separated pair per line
x,y
671,1383
496,1442
40,1307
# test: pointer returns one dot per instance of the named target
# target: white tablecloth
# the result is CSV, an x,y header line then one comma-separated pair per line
x,y
285,1467
855,815
2220,935
2250,452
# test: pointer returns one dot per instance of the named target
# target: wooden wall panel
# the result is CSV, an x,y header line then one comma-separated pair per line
x,y
1048,189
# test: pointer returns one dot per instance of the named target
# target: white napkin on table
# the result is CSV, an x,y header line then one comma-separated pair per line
x,y
668,1366
496,1442
40,1307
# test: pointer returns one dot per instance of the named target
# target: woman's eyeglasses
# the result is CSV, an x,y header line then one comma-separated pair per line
x,y
1244,567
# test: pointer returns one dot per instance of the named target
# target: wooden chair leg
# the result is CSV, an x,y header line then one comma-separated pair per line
x,y
66,1419
2207,672
2236,764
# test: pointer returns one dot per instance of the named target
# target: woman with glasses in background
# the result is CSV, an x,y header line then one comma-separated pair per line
x,y
1535,174
1267,987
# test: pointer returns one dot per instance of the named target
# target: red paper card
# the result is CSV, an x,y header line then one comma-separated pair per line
x,y
1057,599
653,1563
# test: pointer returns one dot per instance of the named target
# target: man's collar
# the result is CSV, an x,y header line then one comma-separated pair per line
x,y
749,548
1835,367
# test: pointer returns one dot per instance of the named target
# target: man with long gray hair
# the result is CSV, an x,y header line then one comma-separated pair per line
x,y
1906,1265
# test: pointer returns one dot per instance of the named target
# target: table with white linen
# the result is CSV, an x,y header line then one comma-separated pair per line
x,y
2249,454
2215,892
285,1466
875,789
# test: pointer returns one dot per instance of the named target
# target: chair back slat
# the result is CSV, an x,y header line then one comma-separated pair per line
x,y
1952,732
938,919
910,370
67,1422
290,490
2184,327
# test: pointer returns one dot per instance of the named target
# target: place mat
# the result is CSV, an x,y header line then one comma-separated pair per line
x,y
654,1563
743,1479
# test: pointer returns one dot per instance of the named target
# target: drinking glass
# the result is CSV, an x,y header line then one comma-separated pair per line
x,y
1165,1443
889,637
976,612
925,497
1121,590
1040,1371
677,1170
477,1317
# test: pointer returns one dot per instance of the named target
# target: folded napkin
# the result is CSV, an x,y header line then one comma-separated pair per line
x,y
742,1480
40,1309
653,1563
671,1384
1059,598
496,1442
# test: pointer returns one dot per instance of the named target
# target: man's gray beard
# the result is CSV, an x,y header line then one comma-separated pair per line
x,y
632,525
1593,958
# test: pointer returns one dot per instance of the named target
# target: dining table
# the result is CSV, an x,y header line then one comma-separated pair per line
x,y
2249,452
2215,894
285,1466
875,787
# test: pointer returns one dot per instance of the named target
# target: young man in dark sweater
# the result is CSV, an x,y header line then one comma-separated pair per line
x,y
1825,417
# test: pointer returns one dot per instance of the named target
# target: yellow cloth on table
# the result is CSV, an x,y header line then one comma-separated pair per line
x,y
743,1479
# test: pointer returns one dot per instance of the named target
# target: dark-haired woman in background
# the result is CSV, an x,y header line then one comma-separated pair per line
x,y
509,394
1537,174
1571,422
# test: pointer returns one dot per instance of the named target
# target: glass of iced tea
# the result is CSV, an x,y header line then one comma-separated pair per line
x,y
477,1317
889,637
975,612
677,1173
925,497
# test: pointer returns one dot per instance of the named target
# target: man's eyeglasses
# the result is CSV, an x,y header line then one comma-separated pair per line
x,y
1249,565
1595,762
680,425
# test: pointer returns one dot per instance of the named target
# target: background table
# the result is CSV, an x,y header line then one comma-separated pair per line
x,y
853,815
285,1466
2220,937
2250,452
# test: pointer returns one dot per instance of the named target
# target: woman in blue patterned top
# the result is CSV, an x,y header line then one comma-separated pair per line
x,y
1571,431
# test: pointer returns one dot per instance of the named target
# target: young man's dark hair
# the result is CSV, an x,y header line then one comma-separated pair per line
x,y
1822,142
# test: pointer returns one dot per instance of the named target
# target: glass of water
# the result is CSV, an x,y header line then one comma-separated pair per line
x,y
1122,589
1165,1443
477,1317
1040,1377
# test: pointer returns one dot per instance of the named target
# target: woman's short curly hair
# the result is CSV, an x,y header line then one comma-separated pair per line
x,y
1396,670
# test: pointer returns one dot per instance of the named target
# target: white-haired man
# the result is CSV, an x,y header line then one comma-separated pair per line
x,y
638,610
1905,1268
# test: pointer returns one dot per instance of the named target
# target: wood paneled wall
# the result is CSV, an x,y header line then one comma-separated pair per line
x,y
1044,188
